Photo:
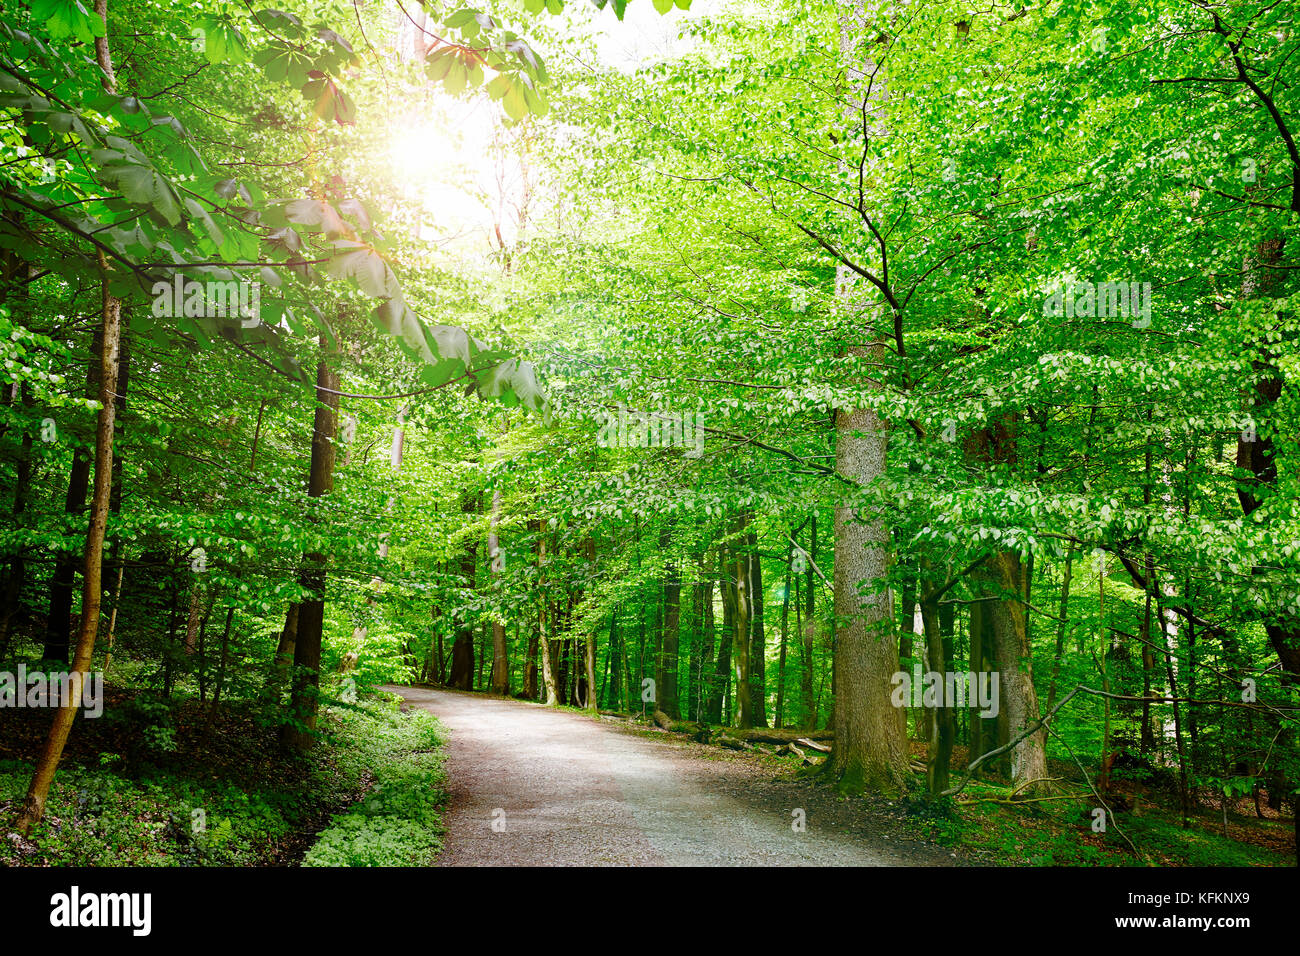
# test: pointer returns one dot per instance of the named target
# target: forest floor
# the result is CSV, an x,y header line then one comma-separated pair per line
x,y
536,786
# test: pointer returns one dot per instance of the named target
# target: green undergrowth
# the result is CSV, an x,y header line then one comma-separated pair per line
x,y
368,793
399,820
1061,833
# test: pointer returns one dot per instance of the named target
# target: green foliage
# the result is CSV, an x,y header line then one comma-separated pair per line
x,y
399,820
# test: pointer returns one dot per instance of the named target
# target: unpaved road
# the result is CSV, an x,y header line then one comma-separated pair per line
x,y
533,786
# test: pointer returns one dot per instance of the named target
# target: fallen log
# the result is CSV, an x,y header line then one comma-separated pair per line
x,y
766,735
813,745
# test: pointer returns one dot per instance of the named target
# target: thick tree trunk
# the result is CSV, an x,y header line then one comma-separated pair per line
x,y
1019,699
870,749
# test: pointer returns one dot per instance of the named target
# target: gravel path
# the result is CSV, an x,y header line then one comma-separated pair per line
x,y
534,786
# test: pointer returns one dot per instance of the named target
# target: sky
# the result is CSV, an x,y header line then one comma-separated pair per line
x,y
442,153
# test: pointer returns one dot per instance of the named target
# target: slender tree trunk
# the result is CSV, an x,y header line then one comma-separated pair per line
x,y
500,665
738,594
758,635
779,717
17,575
305,693
284,651
722,670
808,634
666,669
462,647
543,620
942,725
47,763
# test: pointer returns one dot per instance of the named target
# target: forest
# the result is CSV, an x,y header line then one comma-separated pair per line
x,y
899,397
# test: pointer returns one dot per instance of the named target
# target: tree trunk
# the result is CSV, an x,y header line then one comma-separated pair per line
x,y
808,635
304,696
462,647
703,696
1019,699
738,594
722,670
110,332
543,605
500,666
666,669
758,636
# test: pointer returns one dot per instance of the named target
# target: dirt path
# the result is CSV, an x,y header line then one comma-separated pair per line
x,y
568,789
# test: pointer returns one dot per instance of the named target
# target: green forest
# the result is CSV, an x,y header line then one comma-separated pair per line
x,y
898,400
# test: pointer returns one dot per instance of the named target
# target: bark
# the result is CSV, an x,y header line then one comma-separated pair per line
x,y
722,669
1019,699
943,722
63,582
17,576
758,636
809,633
703,696
530,668
47,763
284,650
614,683
462,647
548,652
666,665
500,666
299,734
590,701
779,717
737,594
